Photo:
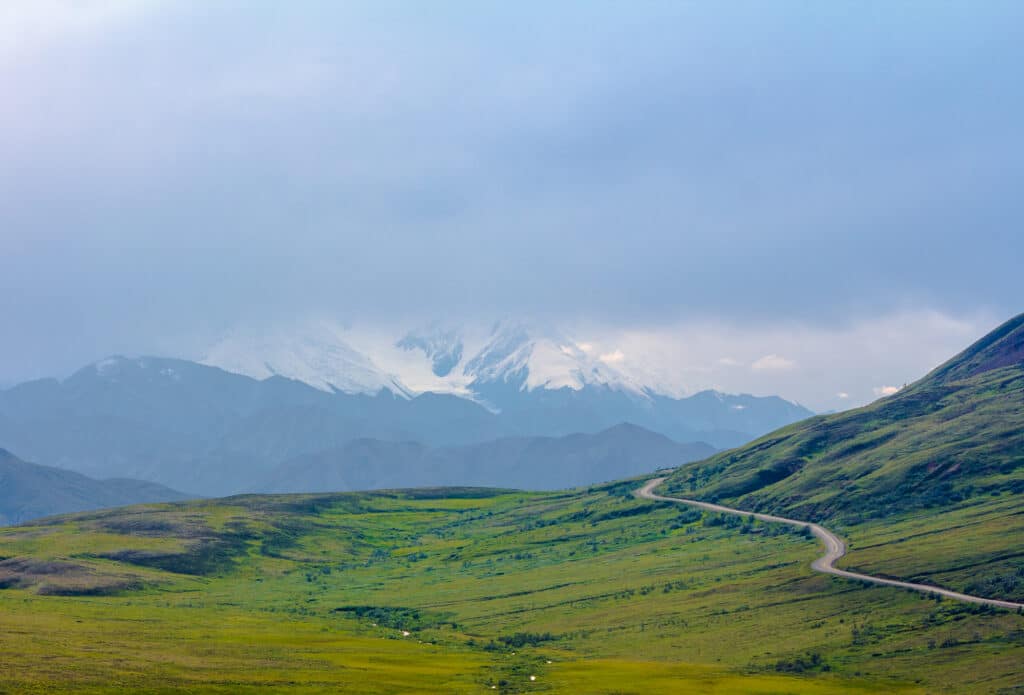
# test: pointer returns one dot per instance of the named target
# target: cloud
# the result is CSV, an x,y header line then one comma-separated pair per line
x,y
891,348
31,25
843,395
385,162
613,357
772,362
729,362
882,391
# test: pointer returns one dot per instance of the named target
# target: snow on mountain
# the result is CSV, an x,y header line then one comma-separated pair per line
x,y
443,346
436,358
532,358
315,352
474,363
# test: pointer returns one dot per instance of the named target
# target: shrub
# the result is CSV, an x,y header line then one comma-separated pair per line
x,y
521,639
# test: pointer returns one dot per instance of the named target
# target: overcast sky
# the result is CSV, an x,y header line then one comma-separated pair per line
x,y
741,170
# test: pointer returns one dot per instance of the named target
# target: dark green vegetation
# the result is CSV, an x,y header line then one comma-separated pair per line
x,y
28,491
315,593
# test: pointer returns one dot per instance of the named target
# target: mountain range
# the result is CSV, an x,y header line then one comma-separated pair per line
x,y
434,357
201,428
512,462
512,368
28,491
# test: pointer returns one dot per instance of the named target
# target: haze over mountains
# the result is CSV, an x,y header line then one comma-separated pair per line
x,y
262,406
511,462
433,357
199,428
522,412
538,380
479,363
28,491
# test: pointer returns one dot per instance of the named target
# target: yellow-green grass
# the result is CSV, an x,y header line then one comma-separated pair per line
x,y
634,596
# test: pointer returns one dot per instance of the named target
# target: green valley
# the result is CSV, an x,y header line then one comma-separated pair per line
x,y
314,593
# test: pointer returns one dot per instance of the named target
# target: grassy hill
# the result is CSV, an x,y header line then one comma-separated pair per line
x,y
926,483
587,590
956,435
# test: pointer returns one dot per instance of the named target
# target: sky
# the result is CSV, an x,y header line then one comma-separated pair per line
x,y
681,182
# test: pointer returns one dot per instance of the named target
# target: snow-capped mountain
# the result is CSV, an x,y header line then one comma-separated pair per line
x,y
522,356
513,355
205,427
316,353
536,377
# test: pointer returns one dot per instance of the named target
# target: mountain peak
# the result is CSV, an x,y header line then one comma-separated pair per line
x,y
529,357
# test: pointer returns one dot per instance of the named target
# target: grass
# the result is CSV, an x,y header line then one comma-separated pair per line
x,y
311,593
926,448
970,547
925,484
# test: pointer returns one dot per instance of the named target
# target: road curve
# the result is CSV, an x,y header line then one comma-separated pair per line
x,y
835,548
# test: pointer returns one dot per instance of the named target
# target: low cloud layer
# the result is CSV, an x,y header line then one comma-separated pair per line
x,y
827,367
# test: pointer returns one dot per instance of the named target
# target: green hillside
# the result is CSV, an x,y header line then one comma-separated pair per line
x,y
589,591
954,437
926,484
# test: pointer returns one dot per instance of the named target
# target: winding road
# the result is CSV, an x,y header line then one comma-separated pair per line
x,y
835,548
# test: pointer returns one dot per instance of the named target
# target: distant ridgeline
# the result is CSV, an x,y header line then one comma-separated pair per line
x,y
28,491
198,428
955,435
